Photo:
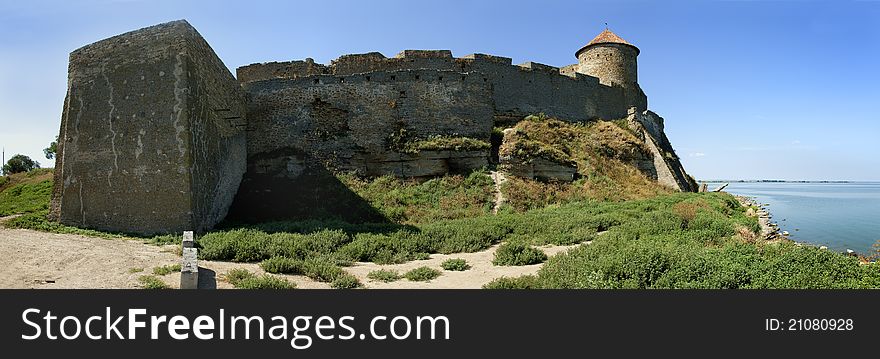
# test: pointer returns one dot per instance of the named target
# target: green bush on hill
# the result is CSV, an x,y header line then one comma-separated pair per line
x,y
517,254
244,279
422,274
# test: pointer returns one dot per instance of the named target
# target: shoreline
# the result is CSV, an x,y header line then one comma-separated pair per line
x,y
770,230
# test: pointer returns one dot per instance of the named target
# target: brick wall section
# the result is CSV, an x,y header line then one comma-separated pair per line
x,y
151,137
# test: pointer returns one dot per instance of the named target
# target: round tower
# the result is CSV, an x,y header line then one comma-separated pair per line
x,y
611,59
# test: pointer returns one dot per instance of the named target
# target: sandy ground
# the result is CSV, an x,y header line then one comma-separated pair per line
x,y
32,259
482,270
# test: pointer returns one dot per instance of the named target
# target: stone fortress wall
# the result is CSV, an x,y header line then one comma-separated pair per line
x,y
157,136
517,90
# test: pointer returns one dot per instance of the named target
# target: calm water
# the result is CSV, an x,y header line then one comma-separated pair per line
x,y
838,215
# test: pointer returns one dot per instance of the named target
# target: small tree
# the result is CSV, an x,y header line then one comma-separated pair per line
x,y
52,149
19,163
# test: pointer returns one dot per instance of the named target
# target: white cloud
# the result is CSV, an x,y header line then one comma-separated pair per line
x,y
696,154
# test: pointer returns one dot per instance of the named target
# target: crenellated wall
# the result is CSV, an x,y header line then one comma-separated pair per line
x,y
517,90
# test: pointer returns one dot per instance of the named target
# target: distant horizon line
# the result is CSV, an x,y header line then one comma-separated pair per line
x,y
784,181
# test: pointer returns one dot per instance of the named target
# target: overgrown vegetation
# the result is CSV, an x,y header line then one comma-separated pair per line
x,y
695,241
403,142
152,282
523,282
167,269
446,143
422,274
25,198
384,275
455,264
25,192
517,254
345,281
410,201
244,279
604,152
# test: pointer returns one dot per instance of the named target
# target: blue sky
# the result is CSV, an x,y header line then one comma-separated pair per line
x,y
749,89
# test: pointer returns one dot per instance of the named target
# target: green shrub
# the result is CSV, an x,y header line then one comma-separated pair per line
x,y
244,279
264,281
422,274
446,143
167,269
384,275
517,254
282,265
322,269
345,281
236,275
524,282
152,282
456,264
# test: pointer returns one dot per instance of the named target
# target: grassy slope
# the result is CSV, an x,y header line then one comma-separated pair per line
x,y
25,192
599,148
28,195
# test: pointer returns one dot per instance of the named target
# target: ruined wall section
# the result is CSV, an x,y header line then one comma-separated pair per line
x,y
666,166
351,121
301,131
137,127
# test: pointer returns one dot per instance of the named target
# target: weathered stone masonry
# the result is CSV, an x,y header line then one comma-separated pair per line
x,y
152,135
154,126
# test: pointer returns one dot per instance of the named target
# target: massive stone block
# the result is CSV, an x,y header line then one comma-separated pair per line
x,y
152,135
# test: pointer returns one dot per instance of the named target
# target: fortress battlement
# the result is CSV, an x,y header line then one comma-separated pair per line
x,y
352,64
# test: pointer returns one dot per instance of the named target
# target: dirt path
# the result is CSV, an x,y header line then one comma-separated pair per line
x,y
482,270
32,259
498,179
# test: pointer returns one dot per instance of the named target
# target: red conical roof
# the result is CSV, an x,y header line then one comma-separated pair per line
x,y
607,37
